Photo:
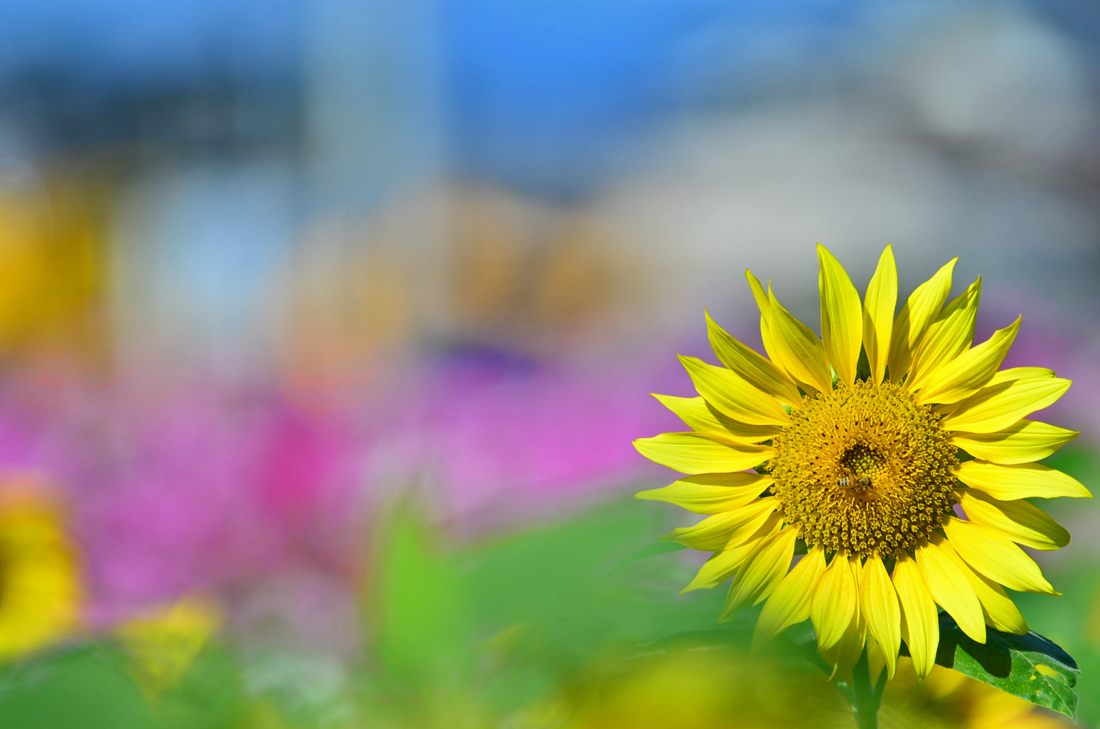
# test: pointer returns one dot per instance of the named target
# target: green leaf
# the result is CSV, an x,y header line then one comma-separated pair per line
x,y
418,612
210,696
571,592
1029,666
87,686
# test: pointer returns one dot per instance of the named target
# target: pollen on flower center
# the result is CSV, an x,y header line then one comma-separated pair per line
x,y
864,469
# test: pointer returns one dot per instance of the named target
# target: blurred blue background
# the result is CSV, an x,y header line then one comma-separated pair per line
x,y
236,139
239,139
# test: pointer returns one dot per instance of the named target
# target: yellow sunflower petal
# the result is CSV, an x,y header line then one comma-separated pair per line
x,y
879,605
715,532
914,318
765,307
750,365
947,337
724,564
1020,521
760,525
841,316
1021,373
835,601
734,395
721,566
992,554
998,406
845,654
921,621
878,316
762,572
1026,441
969,372
789,603
1019,481
950,588
758,292
697,453
711,493
997,607
1000,378
798,349
704,418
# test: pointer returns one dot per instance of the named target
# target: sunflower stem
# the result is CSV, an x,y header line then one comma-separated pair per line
x,y
862,696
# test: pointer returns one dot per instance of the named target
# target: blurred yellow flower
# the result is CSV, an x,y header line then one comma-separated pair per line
x,y
40,584
164,643
52,266
713,689
876,438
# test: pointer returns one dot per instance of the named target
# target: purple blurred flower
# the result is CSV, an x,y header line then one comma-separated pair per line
x,y
501,439
196,490
213,489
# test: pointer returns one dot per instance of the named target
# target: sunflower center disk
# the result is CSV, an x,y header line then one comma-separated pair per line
x,y
864,469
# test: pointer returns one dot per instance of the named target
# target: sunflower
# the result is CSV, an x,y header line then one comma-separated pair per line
x,y
40,586
890,452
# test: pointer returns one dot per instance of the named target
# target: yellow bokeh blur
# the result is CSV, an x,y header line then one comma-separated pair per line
x,y
41,591
163,643
53,266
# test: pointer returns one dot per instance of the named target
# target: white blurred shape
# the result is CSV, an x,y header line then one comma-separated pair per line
x,y
195,251
996,78
759,191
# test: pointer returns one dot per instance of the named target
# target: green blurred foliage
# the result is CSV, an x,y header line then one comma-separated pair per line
x,y
96,685
88,686
577,623
546,625
1073,620
210,696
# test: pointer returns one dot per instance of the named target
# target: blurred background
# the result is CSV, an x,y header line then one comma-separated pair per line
x,y
325,327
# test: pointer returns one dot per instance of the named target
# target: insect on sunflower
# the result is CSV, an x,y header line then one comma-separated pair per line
x,y
890,452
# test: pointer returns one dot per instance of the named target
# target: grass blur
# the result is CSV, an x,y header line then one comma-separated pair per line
x,y
550,626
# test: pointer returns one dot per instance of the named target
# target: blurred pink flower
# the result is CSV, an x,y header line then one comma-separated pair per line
x,y
499,438
212,489
199,489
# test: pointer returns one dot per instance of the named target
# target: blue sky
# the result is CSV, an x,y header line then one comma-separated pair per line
x,y
546,85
